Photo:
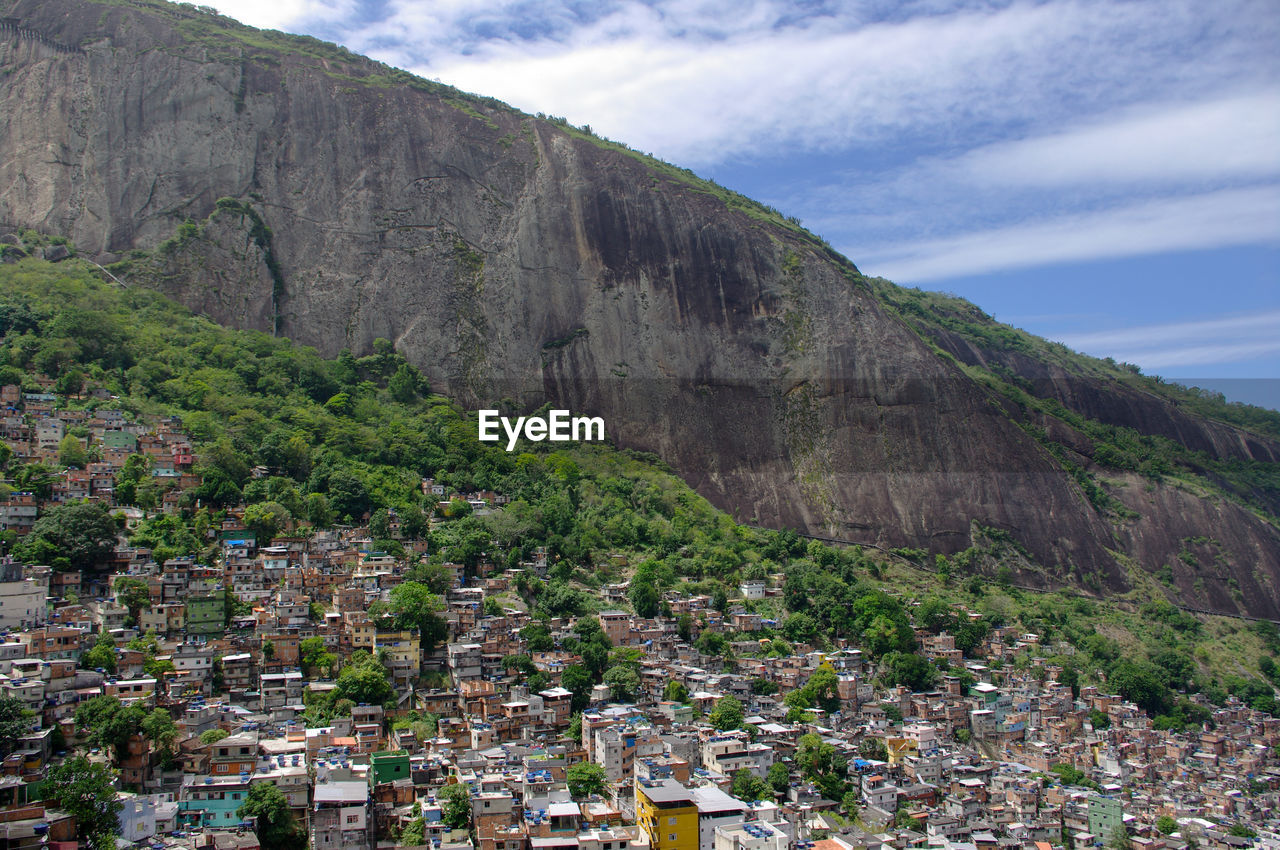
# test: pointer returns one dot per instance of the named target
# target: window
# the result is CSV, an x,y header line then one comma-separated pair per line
x,y
353,819
671,821
672,837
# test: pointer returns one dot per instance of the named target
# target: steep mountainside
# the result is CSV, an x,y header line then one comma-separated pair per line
x,y
278,183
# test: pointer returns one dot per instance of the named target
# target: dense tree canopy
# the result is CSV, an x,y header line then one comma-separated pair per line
x,y
274,822
86,791
586,778
79,536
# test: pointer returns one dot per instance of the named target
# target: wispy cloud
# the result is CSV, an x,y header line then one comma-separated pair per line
x,y
280,14
1210,220
1124,184
1236,136
703,81
979,135
1209,342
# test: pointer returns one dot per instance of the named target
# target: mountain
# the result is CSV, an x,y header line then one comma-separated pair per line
x,y
278,183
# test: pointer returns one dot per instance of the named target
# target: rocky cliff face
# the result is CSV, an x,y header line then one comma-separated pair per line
x,y
517,261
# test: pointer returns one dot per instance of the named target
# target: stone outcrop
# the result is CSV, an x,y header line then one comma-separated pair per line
x,y
519,261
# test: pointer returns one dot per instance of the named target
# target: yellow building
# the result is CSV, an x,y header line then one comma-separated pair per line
x,y
667,813
901,749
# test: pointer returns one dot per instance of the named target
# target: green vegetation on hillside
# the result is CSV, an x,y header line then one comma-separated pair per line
x,y
1117,448
349,440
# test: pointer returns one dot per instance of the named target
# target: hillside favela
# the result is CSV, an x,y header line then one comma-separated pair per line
x,y
833,564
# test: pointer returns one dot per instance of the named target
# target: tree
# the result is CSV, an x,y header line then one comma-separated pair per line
x,y
72,453
436,577
83,533
684,627
521,663
578,681
274,822
317,510
1070,677
315,655
347,494
586,778
623,682
800,627
108,723
749,787
134,594
34,478
909,669
414,834
970,634
405,383
712,643
102,655
675,691
537,637
779,777
726,714
162,732
816,757
455,806
364,681
823,688
934,615
1119,839
69,383
87,791
595,658
129,477
415,608
266,520
212,736
644,598
1166,825
380,524
1142,683
15,722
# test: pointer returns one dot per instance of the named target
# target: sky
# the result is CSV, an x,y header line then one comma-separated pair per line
x,y
1104,174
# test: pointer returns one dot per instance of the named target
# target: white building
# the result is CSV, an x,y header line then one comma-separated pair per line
x,y
715,809
23,596
750,836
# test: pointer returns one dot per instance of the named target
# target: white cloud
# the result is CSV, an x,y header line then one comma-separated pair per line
x,y
1232,136
1209,220
995,135
705,82
283,14
1166,149
1201,343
